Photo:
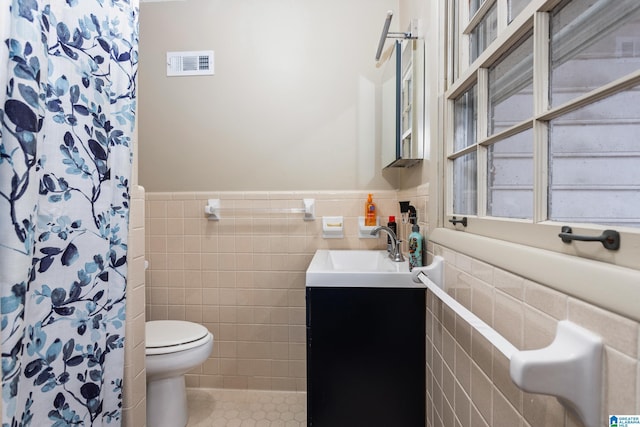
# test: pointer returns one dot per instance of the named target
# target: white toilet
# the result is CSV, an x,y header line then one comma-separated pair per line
x,y
173,347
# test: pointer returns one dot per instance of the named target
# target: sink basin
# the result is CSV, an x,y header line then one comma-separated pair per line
x,y
358,268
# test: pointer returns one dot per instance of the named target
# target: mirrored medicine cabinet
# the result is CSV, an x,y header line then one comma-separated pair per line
x,y
403,105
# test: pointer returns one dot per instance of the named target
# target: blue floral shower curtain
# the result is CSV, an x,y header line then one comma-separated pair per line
x,y
67,103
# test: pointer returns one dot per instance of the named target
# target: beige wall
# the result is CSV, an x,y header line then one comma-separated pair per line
x,y
200,273
243,277
293,103
468,382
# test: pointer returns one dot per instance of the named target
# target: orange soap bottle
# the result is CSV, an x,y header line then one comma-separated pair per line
x,y
370,214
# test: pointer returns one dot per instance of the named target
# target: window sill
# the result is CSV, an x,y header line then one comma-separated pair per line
x,y
608,286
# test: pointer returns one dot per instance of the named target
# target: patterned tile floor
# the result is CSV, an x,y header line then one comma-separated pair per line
x,y
246,408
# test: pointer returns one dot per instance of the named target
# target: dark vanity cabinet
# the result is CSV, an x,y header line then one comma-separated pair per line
x,y
365,357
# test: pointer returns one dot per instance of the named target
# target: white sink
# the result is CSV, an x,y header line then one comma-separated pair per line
x,y
358,268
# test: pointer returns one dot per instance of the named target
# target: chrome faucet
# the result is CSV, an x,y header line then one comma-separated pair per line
x,y
395,253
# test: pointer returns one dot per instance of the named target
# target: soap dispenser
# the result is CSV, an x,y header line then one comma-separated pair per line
x,y
370,215
415,247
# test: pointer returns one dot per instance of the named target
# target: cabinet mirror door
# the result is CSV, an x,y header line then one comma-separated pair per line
x,y
403,105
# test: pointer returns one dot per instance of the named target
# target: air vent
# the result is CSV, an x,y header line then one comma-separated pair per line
x,y
190,63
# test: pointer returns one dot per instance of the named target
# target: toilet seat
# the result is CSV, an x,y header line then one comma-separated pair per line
x,y
171,336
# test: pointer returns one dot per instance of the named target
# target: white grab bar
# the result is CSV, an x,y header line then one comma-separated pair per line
x,y
498,341
569,369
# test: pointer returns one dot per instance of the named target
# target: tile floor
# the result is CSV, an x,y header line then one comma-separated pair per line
x,y
246,408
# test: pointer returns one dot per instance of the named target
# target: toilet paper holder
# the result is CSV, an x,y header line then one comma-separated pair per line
x,y
570,368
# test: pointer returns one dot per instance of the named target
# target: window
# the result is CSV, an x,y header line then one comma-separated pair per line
x,y
474,5
483,33
544,117
588,46
595,162
465,119
511,88
465,184
510,177
515,7
465,163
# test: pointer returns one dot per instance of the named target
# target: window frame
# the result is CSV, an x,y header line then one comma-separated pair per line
x,y
538,237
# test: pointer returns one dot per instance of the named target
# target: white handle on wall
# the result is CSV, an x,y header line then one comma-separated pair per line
x,y
569,369
212,209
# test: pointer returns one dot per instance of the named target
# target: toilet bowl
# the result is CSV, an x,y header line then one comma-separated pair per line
x,y
173,347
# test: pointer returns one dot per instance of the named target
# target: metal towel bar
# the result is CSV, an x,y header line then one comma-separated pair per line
x,y
213,210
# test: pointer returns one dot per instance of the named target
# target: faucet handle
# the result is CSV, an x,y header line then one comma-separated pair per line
x,y
396,255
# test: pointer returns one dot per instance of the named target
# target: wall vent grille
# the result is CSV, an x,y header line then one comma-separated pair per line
x,y
190,63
